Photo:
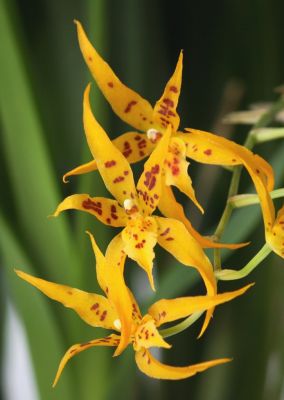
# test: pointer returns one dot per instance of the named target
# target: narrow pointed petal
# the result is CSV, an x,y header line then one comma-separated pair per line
x,y
275,236
107,211
94,309
140,237
155,369
111,340
266,172
113,166
133,145
80,170
165,108
175,238
170,208
136,313
170,310
176,170
147,335
207,148
115,253
150,183
126,103
111,280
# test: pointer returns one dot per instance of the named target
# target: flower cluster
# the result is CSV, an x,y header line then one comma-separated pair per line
x,y
165,150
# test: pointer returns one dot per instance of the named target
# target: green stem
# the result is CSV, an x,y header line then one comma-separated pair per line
x,y
234,185
243,200
230,274
173,330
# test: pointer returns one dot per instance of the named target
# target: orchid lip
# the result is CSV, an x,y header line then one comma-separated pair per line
x,y
130,206
117,324
153,134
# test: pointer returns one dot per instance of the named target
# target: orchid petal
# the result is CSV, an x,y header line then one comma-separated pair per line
x,y
111,280
112,165
94,309
212,149
172,237
140,237
155,369
150,183
126,103
115,253
107,211
112,340
176,170
266,172
170,310
165,108
147,335
275,236
81,169
170,208
134,146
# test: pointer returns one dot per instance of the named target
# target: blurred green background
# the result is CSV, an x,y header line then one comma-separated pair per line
x,y
233,56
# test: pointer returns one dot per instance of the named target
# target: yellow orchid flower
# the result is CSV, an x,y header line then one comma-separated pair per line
x,y
198,145
275,234
133,207
99,311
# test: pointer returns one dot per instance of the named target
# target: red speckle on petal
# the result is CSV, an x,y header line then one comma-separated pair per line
x,y
118,179
110,84
141,153
90,58
169,239
103,316
166,231
142,144
127,153
125,173
110,163
129,106
95,306
175,170
208,152
169,102
174,89
92,205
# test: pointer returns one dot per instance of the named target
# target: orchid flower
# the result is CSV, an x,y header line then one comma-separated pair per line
x,y
109,312
133,206
198,145
275,234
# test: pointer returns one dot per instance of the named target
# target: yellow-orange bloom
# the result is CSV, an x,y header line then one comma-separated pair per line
x,y
198,145
118,306
133,206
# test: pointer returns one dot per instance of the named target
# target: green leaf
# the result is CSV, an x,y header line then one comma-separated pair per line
x,y
43,333
31,173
